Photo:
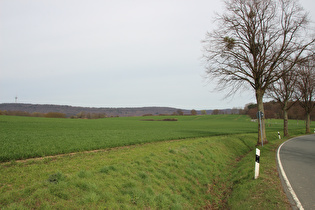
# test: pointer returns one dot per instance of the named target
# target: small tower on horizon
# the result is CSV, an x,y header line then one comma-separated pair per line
x,y
16,98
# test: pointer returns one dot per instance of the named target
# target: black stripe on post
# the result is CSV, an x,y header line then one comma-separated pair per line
x,y
257,158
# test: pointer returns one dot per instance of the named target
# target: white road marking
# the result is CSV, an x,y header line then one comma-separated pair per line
x,y
297,201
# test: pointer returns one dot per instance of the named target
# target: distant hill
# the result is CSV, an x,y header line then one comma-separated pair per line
x,y
74,110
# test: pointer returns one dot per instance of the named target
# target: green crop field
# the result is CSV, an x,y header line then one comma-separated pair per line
x,y
211,167
27,137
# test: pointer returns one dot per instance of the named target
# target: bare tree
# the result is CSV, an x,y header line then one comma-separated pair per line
x,y
284,91
193,112
216,112
306,89
253,38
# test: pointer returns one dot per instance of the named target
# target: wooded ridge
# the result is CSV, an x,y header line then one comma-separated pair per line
x,y
109,112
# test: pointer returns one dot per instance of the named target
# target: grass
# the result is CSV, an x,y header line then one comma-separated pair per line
x,y
183,174
27,137
266,192
187,174
202,172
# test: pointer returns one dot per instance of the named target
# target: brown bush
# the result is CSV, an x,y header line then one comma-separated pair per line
x,y
55,115
170,119
37,114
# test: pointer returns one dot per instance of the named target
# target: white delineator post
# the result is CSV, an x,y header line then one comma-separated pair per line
x,y
257,163
279,135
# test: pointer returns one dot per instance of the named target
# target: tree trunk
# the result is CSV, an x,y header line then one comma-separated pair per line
x,y
261,131
308,123
285,119
285,123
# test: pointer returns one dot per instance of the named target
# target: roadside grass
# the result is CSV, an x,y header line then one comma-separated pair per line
x,y
266,192
187,174
213,173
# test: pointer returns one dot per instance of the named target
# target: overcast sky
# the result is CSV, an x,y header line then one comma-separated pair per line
x,y
105,53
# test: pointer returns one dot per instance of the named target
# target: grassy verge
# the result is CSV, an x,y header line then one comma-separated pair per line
x,y
186,174
213,172
266,192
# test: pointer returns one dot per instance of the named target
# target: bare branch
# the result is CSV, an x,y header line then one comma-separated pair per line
x,y
253,39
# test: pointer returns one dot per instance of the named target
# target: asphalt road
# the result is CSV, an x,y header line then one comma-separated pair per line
x,y
297,157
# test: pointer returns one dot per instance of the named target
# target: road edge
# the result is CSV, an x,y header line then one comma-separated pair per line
x,y
295,202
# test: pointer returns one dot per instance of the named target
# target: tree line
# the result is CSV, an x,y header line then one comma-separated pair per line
x,y
81,115
34,114
273,110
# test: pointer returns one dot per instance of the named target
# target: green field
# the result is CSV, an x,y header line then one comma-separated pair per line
x,y
27,137
210,167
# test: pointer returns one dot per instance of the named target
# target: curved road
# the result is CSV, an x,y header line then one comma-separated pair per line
x,y
296,160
